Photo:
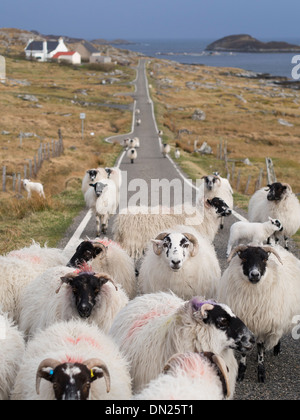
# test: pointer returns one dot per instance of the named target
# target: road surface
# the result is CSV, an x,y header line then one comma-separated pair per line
x,y
283,372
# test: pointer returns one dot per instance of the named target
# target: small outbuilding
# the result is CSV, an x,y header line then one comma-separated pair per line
x,y
72,57
99,58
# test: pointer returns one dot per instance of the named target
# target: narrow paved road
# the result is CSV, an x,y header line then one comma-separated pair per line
x,y
283,372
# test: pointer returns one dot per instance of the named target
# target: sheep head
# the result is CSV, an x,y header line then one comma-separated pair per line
x,y
175,248
87,251
254,260
220,322
86,290
72,381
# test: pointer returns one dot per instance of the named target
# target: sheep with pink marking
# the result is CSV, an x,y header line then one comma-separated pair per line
x,y
154,327
190,376
19,268
72,361
59,294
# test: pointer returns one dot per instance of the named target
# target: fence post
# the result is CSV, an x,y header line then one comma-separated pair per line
x,y
19,183
248,184
14,180
4,179
238,182
30,168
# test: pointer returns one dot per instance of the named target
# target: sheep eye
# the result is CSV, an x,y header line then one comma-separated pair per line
x,y
185,245
75,290
96,291
222,323
166,245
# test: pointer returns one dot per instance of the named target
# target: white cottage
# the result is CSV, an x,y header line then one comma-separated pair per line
x,y
44,50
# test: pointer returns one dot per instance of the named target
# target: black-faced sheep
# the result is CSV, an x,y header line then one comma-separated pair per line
x,y
154,327
68,362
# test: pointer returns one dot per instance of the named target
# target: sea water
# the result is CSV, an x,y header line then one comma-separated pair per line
x,y
191,51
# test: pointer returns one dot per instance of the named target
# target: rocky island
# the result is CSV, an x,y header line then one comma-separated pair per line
x,y
246,43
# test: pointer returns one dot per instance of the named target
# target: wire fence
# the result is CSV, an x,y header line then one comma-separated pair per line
x,y
13,181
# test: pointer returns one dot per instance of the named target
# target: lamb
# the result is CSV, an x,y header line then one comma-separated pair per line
x,y
68,362
107,256
279,202
154,327
135,229
102,198
138,122
215,186
31,187
262,286
19,268
12,347
243,232
165,150
177,154
59,294
190,376
182,261
132,154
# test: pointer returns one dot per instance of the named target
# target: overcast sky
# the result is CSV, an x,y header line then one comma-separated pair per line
x,y
148,19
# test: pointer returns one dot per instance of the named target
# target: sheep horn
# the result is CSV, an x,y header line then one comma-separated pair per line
x,y
170,361
66,279
236,250
195,243
102,247
47,363
272,251
158,250
106,277
222,371
98,363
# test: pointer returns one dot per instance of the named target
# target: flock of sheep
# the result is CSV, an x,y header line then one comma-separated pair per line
x,y
149,315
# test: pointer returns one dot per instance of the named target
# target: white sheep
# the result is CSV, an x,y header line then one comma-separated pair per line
x,y
138,122
165,150
279,202
177,154
182,261
135,229
19,268
192,377
115,174
102,198
244,232
106,256
68,361
216,186
132,154
12,347
59,294
154,327
262,286
35,187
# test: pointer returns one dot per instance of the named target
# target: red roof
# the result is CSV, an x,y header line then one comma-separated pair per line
x,y
57,55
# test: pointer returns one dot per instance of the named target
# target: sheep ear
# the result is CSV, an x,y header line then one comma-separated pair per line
x,y
66,280
157,246
200,307
92,185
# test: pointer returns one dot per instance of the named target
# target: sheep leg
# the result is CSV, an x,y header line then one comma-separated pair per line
x,y
242,368
222,223
286,240
98,223
277,349
261,363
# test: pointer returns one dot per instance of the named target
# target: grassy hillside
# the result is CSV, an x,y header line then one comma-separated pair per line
x,y
59,93
246,113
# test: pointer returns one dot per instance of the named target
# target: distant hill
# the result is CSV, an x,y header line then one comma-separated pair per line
x,y
14,37
246,43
